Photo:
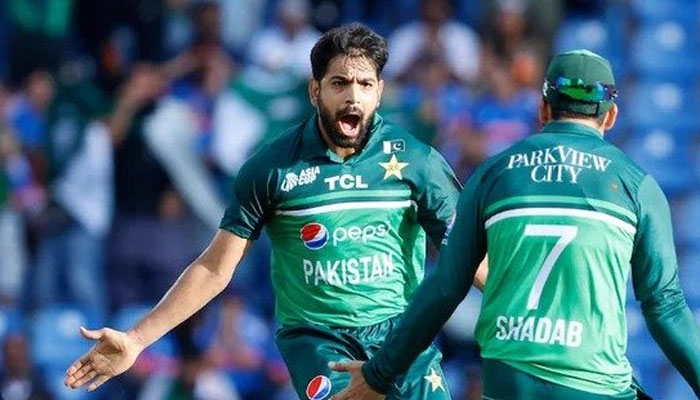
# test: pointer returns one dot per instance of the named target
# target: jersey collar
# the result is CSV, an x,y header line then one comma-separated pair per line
x,y
314,146
570,127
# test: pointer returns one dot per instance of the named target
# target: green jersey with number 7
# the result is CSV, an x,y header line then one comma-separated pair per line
x,y
566,219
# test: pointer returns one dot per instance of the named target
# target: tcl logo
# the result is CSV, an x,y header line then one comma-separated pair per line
x,y
357,233
345,181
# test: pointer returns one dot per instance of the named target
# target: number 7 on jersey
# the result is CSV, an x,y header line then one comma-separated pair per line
x,y
566,234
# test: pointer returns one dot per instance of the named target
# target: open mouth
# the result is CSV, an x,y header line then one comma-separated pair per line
x,y
349,124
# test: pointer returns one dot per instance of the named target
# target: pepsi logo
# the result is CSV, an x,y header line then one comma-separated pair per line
x,y
314,235
318,388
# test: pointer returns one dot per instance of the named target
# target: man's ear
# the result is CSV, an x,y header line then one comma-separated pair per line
x,y
314,88
545,112
610,117
381,91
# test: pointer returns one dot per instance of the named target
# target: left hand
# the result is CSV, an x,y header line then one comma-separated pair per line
x,y
357,389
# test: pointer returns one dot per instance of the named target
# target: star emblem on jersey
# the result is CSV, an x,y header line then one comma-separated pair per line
x,y
435,381
393,167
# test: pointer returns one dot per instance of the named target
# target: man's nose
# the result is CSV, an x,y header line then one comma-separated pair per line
x,y
353,95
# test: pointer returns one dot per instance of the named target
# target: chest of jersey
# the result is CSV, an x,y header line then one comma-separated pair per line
x,y
321,176
352,223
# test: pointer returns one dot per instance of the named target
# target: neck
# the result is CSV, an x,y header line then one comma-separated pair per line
x,y
342,152
586,122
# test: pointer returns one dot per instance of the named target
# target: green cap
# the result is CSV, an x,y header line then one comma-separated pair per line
x,y
585,67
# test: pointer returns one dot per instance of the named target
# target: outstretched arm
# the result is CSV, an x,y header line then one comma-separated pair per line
x,y
656,285
202,280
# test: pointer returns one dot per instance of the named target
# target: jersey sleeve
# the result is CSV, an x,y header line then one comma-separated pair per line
x,y
437,197
439,294
656,285
251,202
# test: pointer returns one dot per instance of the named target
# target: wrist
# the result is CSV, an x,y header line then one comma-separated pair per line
x,y
374,379
137,338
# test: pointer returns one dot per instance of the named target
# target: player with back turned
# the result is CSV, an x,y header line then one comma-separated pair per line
x,y
566,218
348,201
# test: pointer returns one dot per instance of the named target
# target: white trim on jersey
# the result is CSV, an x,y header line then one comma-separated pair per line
x,y
561,212
357,205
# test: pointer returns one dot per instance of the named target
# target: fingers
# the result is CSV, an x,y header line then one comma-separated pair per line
x,y
339,366
92,335
85,369
84,379
342,395
76,365
98,382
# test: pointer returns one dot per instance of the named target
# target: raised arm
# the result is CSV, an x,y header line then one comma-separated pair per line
x,y
114,351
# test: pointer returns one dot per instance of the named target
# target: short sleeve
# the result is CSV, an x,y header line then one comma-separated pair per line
x,y
253,190
438,193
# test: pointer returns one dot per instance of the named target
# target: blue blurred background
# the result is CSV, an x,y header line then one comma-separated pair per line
x,y
124,122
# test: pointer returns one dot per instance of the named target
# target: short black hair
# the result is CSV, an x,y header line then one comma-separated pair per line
x,y
561,114
355,40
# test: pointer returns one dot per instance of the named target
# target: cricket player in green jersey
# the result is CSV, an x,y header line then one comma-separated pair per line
x,y
565,217
348,201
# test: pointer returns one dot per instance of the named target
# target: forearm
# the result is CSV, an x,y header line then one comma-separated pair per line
x,y
205,278
193,290
431,308
120,120
672,325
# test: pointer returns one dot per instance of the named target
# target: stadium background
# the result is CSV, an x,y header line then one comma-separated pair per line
x,y
123,123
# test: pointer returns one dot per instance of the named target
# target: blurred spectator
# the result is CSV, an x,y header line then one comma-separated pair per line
x,y
505,113
206,55
179,30
135,26
13,251
242,346
249,17
512,24
78,215
286,44
197,379
162,164
153,232
18,378
433,101
526,68
38,32
434,35
179,133
382,16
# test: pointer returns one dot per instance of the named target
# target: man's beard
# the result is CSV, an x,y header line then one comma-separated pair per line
x,y
328,121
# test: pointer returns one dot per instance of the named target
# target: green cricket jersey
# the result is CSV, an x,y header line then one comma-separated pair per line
x,y
348,236
565,217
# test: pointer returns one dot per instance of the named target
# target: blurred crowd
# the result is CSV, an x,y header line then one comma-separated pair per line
x,y
124,122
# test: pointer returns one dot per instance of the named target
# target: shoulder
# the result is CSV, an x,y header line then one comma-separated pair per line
x,y
394,135
278,153
631,174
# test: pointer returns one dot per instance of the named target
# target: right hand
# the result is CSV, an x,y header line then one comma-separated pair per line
x,y
114,353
